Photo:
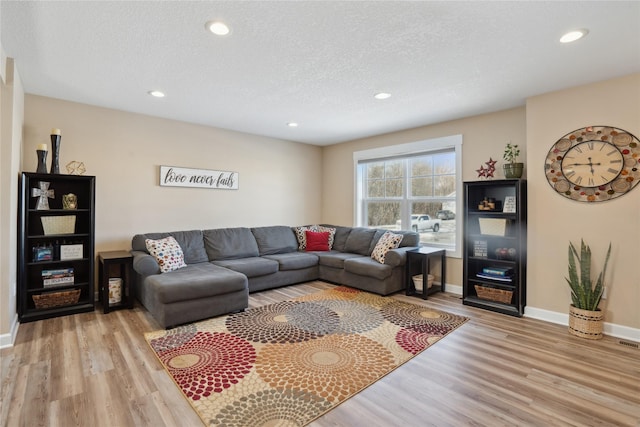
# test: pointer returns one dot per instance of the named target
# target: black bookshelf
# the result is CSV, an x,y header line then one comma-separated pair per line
x,y
495,245
55,247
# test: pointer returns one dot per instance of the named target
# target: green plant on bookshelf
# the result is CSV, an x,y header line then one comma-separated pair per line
x,y
513,168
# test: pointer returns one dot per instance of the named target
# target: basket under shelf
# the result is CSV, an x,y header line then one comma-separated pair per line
x,y
494,294
56,299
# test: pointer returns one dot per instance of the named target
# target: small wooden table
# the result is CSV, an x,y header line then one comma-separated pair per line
x,y
114,264
420,258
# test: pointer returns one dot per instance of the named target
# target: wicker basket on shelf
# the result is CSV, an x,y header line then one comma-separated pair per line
x,y
493,294
56,299
417,281
64,224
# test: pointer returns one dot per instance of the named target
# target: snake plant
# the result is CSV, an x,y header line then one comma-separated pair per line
x,y
584,294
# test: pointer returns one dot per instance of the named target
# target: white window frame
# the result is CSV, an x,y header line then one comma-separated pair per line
x,y
412,148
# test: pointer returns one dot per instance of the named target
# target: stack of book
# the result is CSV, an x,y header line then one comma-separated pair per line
x,y
59,277
502,274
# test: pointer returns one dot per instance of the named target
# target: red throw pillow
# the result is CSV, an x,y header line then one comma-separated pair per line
x,y
317,240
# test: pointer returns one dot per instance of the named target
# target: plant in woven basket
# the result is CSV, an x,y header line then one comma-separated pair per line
x,y
585,294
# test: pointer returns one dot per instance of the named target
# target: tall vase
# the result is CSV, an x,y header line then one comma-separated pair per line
x,y
55,153
42,161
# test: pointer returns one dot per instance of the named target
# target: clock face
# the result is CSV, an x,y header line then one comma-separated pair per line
x,y
594,164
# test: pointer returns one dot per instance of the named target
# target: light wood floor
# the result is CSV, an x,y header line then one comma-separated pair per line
x,y
97,370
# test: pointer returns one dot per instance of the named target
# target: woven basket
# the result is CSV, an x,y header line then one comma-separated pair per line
x,y
492,226
56,299
64,224
586,323
493,294
417,281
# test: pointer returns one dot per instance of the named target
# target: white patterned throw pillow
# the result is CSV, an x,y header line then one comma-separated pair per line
x,y
167,252
387,242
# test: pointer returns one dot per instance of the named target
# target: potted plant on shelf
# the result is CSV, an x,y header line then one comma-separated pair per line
x,y
512,169
585,318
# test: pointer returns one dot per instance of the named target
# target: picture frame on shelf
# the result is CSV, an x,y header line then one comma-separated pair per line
x,y
480,248
68,252
509,204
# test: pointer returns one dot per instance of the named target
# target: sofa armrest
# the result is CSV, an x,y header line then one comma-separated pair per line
x,y
398,257
144,264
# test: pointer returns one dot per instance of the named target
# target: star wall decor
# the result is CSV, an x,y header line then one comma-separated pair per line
x,y
489,170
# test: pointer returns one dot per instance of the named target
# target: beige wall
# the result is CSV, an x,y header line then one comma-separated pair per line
x,y
279,181
483,137
555,220
11,117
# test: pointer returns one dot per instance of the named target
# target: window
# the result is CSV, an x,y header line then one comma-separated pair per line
x,y
412,187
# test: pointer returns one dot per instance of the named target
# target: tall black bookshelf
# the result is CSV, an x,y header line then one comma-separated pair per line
x,y
495,245
55,245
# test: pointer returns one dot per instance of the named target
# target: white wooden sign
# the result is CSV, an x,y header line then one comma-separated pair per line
x,y
173,176
509,204
71,252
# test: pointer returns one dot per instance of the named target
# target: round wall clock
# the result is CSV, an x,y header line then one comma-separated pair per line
x,y
594,164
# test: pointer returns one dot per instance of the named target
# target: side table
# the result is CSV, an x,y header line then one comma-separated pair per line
x,y
418,263
114,264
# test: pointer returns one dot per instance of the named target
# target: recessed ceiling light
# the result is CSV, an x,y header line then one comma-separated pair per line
x,y
218,28
574,35
292,124
382,95
156,93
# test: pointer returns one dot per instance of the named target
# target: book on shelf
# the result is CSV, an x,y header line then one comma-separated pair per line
x,y
508,279
57,277
498,271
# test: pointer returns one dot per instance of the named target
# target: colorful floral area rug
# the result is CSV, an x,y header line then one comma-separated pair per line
x,y
288,363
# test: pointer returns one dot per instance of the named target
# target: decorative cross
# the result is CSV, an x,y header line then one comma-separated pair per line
x,y
44,194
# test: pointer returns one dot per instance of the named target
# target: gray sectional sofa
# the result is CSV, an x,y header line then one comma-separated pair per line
x,y
224,265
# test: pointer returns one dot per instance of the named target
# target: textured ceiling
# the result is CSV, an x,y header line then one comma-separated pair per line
x,y
315,63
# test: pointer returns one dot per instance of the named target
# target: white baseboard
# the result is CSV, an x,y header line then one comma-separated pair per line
x,y
454,289
7,340
618,331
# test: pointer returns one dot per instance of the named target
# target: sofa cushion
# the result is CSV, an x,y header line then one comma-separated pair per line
x,y
191,243
335,259
294,260
409,238
366,266
359,241
340,238
374,241
277,239
195,281
167,253
397,257
317,241
250,267
387,242
230,243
